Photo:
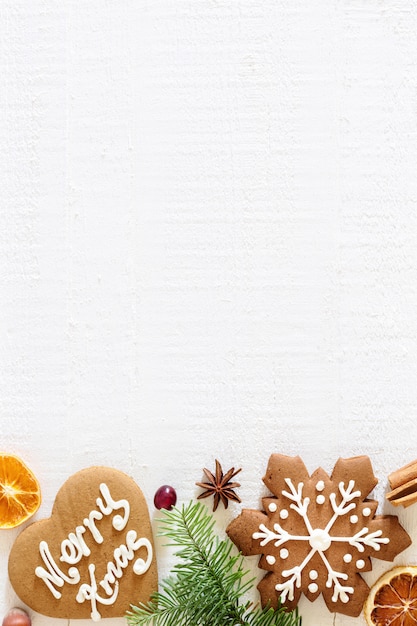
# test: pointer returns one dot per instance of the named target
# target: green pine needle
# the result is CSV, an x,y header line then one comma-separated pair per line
x,y
207,584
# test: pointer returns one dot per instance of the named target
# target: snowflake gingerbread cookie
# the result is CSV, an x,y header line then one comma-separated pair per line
x,y
317,533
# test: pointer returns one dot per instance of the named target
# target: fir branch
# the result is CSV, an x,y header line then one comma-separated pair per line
x,y
208,583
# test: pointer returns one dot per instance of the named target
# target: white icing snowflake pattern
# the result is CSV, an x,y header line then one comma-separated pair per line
x,y
317,533
319,540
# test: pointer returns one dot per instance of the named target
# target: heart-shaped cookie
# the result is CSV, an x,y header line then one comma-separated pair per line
x,y
94,556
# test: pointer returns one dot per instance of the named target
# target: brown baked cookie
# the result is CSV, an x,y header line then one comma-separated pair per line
x,y
317,533
94,556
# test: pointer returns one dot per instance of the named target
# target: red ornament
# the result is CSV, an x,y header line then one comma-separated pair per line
x,y
16,617
165,497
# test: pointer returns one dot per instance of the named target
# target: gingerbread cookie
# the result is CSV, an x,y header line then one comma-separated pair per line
x,y
94,556
317,533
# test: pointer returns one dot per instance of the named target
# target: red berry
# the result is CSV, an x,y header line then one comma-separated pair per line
x,y
165,497
16,617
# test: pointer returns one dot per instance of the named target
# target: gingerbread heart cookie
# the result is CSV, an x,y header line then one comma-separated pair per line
x,y
94,556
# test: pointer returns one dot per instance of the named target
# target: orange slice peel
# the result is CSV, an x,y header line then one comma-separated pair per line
x,y
20,494
392,601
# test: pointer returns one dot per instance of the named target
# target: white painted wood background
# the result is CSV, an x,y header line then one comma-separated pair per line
x,y
208,231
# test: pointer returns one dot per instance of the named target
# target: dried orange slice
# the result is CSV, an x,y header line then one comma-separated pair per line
x,y
392,601
20,494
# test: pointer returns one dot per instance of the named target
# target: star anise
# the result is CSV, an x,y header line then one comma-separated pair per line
x,y
219,486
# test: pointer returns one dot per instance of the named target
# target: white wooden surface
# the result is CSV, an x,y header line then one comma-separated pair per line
x,y
208,231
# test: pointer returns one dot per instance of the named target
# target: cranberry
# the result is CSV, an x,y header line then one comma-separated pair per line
x,y
165,497
16,617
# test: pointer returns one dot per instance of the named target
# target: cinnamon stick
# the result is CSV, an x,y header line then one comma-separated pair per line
x,y
403,475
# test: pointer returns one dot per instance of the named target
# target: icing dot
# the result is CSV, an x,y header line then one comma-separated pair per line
x,y
313,587
366,512
270,559
283,514
320,485
313,574
283,553
347,558
320,499
320,539
354,519
360,563
272,507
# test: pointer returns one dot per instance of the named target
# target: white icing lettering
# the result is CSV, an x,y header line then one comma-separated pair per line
x,y
119,521
140,566
69,553
74,548
89,592
123,555
54,576
90,523
79,540
106,510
